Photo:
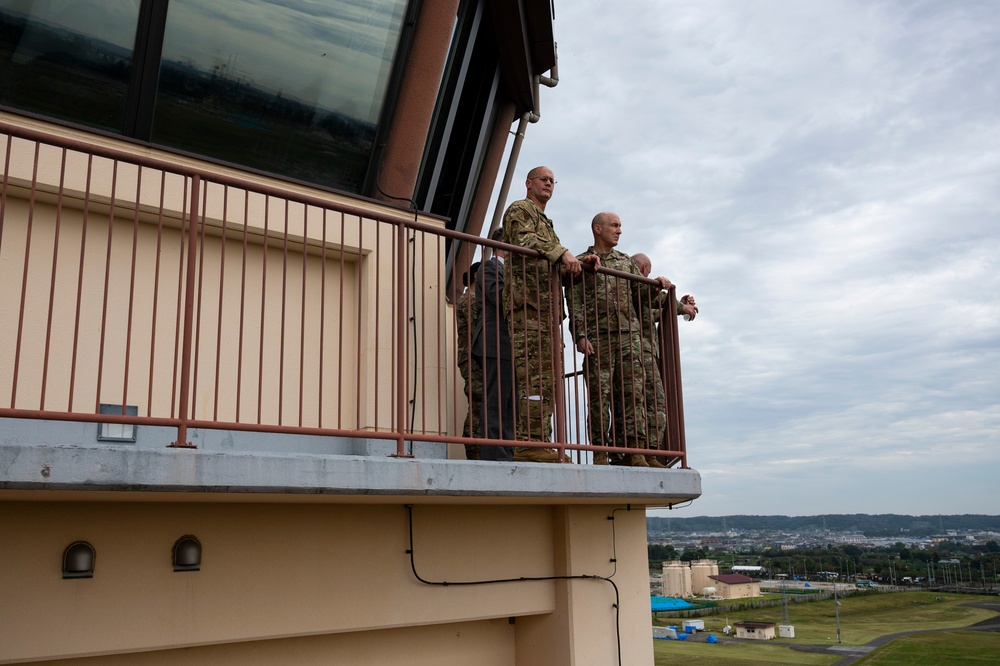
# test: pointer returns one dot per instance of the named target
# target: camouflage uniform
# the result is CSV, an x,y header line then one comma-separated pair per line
x,y
601,310
649,311
655,397
531,314
465,322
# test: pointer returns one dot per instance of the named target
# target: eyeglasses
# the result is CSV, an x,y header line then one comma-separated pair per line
x,y
545,179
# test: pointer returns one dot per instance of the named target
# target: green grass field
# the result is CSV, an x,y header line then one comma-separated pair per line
x,y
939,648
742,654
862,619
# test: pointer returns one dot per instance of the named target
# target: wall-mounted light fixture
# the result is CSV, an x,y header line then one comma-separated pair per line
x,y
78,560
187,554
117,432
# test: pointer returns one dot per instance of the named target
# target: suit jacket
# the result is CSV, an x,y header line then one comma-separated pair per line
x,y
491,339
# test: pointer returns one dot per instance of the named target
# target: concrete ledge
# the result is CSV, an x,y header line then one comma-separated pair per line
x,y
77,468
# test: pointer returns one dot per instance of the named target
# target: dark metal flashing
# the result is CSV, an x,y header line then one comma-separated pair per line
x,y
527,48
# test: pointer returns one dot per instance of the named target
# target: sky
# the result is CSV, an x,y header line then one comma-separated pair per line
x,y
824,177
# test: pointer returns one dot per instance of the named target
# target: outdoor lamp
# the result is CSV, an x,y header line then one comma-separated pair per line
x,y
78,560
187,554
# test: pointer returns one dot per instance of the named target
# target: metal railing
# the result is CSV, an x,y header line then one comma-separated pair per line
x,y
219,301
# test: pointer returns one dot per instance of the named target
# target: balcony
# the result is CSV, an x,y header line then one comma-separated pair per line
x,y
178,328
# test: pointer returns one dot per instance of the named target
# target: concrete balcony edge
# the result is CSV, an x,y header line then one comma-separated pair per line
x,y
27,471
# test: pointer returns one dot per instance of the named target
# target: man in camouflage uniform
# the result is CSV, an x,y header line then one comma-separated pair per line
x,y
532,312
465,323
648,311
607,331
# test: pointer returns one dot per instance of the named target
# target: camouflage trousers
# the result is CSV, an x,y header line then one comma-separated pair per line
x,y
616,392
655,403
531,345
472,373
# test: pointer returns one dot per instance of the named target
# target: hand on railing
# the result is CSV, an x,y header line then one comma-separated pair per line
x,y
570,263
665,284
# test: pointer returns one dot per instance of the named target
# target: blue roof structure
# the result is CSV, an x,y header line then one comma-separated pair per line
x,y
668,604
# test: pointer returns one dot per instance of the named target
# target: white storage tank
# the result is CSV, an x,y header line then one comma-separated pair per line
x,y
700,572
676,579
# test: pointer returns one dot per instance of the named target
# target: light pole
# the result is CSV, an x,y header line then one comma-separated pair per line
x,y
836,609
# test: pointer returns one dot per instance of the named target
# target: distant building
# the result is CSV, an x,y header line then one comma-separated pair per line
x,y
736,586
685,579
859,539
757,631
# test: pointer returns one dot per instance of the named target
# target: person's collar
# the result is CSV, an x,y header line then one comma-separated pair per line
x,y
538,204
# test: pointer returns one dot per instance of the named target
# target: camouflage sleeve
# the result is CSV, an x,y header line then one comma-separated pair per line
x,y
463,326
661,301
577,314
521,228
647,296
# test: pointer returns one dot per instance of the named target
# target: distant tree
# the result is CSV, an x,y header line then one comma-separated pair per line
x,y
690,555
661,553
992,547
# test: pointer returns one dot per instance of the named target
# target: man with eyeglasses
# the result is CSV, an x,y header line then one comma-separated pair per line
x,y
532,312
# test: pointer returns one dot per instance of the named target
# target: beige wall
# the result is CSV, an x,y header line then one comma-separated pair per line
x,y
484,643
350,267
738,591
755,633
337,573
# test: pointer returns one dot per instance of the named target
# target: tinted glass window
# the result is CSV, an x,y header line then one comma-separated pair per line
x,y
69,59
292,86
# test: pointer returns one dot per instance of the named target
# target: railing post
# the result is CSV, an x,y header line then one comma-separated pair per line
x,y
402,344
189,300
559,397
670,368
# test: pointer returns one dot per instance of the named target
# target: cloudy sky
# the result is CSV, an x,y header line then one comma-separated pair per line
x,y
825,178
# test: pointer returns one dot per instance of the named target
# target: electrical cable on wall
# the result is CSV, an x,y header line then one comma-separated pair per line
x,y
411,238
413,322
520,579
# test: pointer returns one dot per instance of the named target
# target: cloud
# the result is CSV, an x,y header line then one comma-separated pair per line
x,y
825,178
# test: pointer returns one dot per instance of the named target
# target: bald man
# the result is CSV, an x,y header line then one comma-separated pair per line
x,y
532,313
608,333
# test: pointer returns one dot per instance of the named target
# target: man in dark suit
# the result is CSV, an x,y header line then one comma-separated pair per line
x,y
491,349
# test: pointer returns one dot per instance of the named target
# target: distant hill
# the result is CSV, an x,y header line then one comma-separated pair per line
x,y
886,524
